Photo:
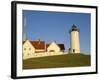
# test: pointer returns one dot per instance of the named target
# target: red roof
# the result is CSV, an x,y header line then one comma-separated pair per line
x,y
38,44
23,42
61,46
42,45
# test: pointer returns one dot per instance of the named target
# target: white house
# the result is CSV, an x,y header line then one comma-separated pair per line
x,y
54,47
28,49
39,49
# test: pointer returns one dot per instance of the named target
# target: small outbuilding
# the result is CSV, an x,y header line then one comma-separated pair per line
x,y
53,47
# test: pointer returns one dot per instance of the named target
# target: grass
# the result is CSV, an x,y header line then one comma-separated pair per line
x,y
66,60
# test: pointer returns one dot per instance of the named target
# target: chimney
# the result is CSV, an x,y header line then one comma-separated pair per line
x,y
39,41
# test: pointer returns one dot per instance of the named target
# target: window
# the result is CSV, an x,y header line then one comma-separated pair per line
x,y
24,48
29,48
52,50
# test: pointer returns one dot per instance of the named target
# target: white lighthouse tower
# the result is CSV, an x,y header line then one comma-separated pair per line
x,y
74,42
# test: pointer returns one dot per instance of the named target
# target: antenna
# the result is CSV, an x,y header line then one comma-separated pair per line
x,y
24,27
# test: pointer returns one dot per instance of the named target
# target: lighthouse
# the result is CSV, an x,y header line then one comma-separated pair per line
x,y
74,40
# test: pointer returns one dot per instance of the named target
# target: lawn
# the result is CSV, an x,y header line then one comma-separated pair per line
x,y
66,60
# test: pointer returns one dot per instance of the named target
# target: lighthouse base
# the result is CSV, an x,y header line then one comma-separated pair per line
x,y
74,51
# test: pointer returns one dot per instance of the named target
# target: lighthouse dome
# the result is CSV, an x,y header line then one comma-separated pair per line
x,y
74,28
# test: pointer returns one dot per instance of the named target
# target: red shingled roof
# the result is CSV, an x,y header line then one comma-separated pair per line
x,y
38,44
41,45
61,46
23,42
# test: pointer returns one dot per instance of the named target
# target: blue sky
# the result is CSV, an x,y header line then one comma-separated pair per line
x,y
54,26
